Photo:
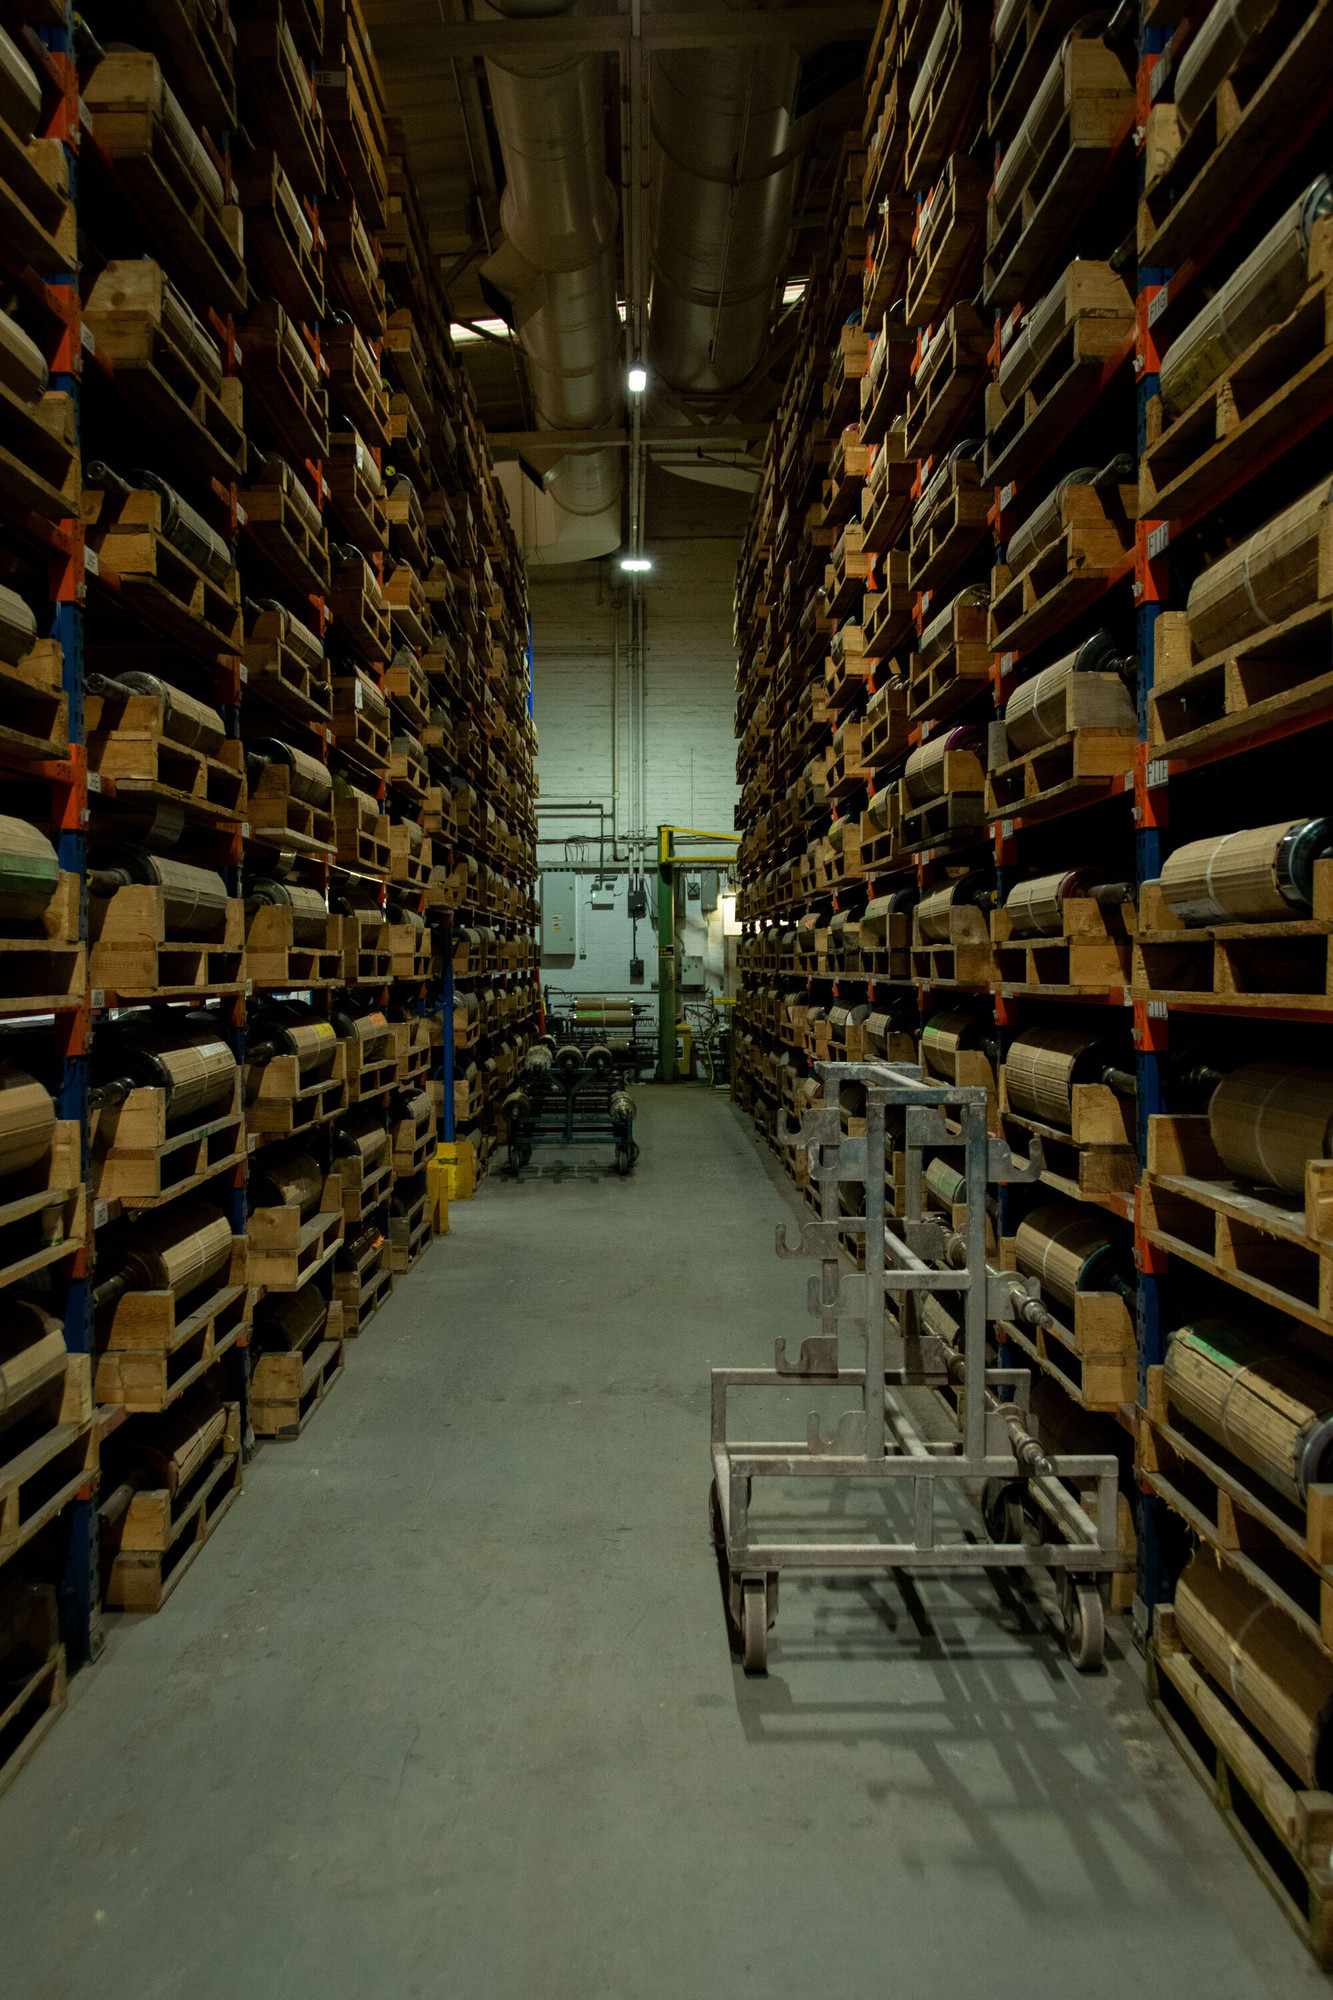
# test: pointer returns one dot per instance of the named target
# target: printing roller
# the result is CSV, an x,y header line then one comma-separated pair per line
x,y
1044,1064
1261,581
184,1247
924,771
1040,123
309,910
1270,1409
194,899
18,626
20,92
945,1182
23,368
293,1028
307,780
1260,293
1267,1119
185,1057
182,526
1262,874
371,1030
1213,51
1036,711
414,1109
185,719
307,645
29,872
363,1136
27,1120
1277,1676
975,890
950,1034
286,1322
1069,1249
287,1180
32,1358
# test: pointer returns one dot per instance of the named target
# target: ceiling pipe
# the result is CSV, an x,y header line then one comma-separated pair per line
x,y
726,157
554,280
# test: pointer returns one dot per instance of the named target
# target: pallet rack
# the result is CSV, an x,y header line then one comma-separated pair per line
x,y
255,345
977,324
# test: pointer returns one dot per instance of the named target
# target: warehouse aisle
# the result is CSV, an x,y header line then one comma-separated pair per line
x,y
447,1707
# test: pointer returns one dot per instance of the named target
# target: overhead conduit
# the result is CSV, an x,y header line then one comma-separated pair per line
x,y
554,280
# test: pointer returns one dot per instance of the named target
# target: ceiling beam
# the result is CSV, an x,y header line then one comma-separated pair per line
x,y
429,43
703,435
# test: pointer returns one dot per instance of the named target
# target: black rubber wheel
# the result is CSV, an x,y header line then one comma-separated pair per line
x,y
754,1626
1002,1510
1085,1626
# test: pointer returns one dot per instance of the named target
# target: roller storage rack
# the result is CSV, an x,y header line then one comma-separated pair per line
x,y
209,848
1138,667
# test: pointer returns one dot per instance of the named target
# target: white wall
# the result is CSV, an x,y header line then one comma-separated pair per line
x,y
581,706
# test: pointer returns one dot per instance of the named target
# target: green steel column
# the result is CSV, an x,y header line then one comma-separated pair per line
x,y
666,961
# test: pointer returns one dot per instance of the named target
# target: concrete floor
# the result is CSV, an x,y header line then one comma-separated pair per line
x,y
447,1707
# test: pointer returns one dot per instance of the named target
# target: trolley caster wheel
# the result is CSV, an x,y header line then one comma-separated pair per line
x,y
715,1518
1002,1510
623,1163
754,1625
524,1156
1084,1626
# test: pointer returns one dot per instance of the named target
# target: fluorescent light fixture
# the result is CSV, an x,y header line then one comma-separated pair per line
x,y
464,336
635,562
637,379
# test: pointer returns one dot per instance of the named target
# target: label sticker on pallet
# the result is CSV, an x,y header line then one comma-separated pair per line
x,y
1158,539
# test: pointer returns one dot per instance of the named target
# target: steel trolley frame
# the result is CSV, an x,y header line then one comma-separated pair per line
x,y
878,1440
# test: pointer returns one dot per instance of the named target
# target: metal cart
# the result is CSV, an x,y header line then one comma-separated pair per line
x,y
909,1260
579,1100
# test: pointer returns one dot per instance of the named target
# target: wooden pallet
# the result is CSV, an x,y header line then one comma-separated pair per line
x,y
278,819
278,1105
362,1295
283,378
1276,676
35,704
1098,99
48,1457
948,239
1257,1240
410,1235
363,841
130,954
134,757
202,240
1263,967
354,375
947,532
36,213
1095,1361
285,100
948,672
1079,768
1091,955
1283,1830
272,959
1194,177
281,530
1068,578
29,1710
133,312
1035,32
279,237
1048,401
195,39
1243,417
362,615
125,536
948,381
150,1547
287,1389
133,1159
287,671
356,124
40,467
1284,1548
161,1353
285,1252
366,1080
959,78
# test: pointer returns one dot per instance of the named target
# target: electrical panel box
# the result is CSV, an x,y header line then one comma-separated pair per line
x,y
638,900
708,891
691,969
602,899
636,972
559,892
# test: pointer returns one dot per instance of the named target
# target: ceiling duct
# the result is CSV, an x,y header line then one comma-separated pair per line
x,y
727,151
553,279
